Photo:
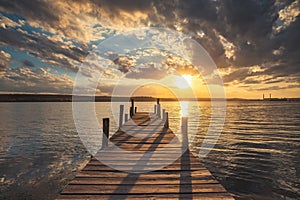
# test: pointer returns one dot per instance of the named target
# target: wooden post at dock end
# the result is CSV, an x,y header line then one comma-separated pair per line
x,y
131,108
126,117
155,109
105,132
158,112
121,115
184,132
167,120
163,114
130,112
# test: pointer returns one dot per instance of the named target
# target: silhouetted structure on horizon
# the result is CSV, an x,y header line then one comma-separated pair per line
x,y
273,99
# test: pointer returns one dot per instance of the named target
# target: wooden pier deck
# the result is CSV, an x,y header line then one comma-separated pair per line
x,y
125,169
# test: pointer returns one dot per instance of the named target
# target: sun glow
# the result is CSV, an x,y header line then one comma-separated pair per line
x,y
183,82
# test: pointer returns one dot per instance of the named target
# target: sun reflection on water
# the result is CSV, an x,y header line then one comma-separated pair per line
x,y
184,108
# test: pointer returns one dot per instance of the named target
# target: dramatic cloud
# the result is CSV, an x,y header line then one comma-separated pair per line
x,y
252,42
39,80
27,63
150,72
4,59
43,47
125,63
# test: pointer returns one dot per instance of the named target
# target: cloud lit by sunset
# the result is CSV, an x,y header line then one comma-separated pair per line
x,y
254,44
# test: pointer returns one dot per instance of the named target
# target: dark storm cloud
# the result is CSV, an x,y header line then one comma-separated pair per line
x,y
45,14
278,87
198,9
3,67
42,47
35,80
4,59
31,9
28,63
126,5
248,18
290,40
125,63
239,75
247,25
282,70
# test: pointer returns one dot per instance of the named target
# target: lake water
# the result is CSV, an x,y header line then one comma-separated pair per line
x,y
257,155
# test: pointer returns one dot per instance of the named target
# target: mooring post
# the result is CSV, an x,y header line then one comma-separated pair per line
x,y
184,131
121,115
158,109
167,120
155,109
135,110
164,114
126,117
130,112
132,108
105,132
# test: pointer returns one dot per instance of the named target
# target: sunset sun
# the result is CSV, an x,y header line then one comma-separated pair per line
x,y
183,81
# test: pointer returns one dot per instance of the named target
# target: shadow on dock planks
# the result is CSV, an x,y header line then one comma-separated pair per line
x,y
115,177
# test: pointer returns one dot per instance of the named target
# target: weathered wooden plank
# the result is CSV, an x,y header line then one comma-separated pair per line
x,y
183,161
141,189
122,156
202,196
154,163
192,174
139,168
148,147
144,148
141,181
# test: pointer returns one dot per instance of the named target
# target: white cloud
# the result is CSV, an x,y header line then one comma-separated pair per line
x,y
6,22
39,80
4,59
287,16
228,47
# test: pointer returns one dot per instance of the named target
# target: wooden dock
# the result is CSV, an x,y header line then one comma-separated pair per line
x,y
125,169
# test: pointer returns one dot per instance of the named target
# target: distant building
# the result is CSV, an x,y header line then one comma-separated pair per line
x,y
273,99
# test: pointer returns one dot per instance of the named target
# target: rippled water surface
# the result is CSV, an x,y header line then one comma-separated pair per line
x,y
257,155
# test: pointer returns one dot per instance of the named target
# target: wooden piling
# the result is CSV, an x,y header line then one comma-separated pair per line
x,y
121,115
105,132
163,114
166,125
132,108
184,132
158,111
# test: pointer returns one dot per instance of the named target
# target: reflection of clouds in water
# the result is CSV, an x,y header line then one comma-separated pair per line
x,y
40,149
39,178
38,161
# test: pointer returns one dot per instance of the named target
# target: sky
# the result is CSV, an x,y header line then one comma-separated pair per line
x,y
254,45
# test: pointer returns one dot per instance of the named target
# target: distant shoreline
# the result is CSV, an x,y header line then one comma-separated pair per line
x,y
70,98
